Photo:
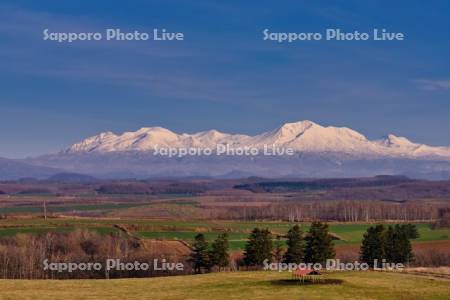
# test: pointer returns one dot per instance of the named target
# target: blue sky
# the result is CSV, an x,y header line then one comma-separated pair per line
x,y
223,75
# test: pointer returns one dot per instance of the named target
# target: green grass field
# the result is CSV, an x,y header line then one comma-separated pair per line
x,y
350,233
236,285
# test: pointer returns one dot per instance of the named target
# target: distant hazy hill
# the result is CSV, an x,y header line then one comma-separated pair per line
x,y
14,169
71,178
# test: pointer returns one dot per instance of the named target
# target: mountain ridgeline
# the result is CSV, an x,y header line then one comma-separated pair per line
x,y
316,151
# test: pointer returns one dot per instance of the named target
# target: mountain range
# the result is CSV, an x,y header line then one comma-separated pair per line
x,y
302,137
317,151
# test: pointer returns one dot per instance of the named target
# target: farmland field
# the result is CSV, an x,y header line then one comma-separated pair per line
x,y
236,285
66,208
348,234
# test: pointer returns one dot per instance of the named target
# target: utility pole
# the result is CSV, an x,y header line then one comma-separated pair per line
x,y
45,209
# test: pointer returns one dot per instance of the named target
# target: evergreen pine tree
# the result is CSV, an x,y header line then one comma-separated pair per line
x,y
200,255
411,231
398,246
373,245
319,245
295,243
219,251
389,245
258,248
403,245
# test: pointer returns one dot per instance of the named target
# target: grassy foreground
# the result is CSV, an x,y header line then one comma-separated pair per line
x,y
237,285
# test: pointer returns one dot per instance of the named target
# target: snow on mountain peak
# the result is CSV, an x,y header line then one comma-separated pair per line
x,y
296,128
213,133
302,136
153,129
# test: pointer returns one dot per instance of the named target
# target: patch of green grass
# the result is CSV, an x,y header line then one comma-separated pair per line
x,y
237,245
275,227
428,234
237,240
353,233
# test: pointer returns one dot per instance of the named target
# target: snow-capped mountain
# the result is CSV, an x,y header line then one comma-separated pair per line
x,y
317,151
302,137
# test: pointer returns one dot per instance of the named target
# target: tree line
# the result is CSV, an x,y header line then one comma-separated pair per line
x,y
336,210
316,246
391,244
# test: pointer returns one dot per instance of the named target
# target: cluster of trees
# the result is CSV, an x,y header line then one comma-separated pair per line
x,y
336,210
390,243
316,246
204,257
